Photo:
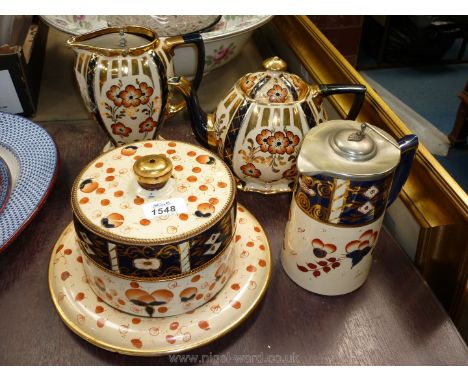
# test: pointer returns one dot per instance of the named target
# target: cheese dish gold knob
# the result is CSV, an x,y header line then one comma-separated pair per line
x,y
152,171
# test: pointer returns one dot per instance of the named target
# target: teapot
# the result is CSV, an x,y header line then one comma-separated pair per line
x,y
259,126
122,75
349,173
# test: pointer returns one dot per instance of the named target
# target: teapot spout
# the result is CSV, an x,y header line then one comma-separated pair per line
x,y
408,146
202,123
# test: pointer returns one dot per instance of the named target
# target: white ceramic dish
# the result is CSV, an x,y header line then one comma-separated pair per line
x,y
163,25
100,324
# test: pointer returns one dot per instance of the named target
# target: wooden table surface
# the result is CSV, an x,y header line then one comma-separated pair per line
x,y
394,319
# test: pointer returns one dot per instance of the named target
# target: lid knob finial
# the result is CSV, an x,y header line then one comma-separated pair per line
x,y
275,63
152,171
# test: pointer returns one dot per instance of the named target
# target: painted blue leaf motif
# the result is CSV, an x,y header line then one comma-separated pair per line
x,y
357,255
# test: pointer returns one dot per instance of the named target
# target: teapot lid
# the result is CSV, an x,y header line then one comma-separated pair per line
x,y
348,150
153,192
274,85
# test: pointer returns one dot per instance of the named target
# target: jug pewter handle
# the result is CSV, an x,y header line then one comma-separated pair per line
x,y
408,146
358,90
170,44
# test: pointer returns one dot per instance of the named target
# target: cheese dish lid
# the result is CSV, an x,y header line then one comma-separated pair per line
x,y
153,192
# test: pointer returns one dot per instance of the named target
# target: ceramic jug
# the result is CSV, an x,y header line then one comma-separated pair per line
x,y
349,173
122,74
259,125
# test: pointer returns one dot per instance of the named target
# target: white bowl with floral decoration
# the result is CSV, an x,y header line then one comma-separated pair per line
x,y
222,43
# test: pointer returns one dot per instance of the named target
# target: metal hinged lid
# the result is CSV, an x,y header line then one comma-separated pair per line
x,y
349,150
274,85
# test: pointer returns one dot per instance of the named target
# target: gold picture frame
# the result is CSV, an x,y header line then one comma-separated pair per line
x,y
434,198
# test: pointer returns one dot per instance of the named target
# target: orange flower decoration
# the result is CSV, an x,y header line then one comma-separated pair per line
x,y
278,143
248,83
262,140
146,92
250,170
293,142
142,298
113,95
147,125
130,96
120,129
277,94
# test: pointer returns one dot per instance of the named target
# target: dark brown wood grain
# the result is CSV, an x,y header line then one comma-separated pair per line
x,y
394,319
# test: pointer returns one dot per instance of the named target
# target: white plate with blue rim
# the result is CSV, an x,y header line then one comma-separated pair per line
x,y
32,159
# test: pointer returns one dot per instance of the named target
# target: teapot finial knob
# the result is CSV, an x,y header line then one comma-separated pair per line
x,y
275,63
153,171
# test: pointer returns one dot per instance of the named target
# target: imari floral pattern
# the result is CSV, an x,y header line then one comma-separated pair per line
x,y
343,202
322,263
130,102
126,94
282,147
115,232
107,327
259,128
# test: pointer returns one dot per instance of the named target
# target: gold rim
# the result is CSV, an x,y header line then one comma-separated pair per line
x,y
149,353
79,41
88,224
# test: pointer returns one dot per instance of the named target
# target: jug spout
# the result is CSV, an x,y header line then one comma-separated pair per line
x,y
202,123
408,146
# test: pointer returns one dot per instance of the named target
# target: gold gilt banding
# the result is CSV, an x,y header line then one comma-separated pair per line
x,y
276,120
146,69
253,120
266,117
234,108
297,118
135,69
85,64
287,117
229,100
102,73
79,63
115,69
124,69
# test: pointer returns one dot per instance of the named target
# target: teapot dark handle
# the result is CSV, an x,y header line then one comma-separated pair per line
x,y
408,146
196,38
358,90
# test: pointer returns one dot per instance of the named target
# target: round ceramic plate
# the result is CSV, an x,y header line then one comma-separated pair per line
x,y
5,184
162,25
108,328
31,156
